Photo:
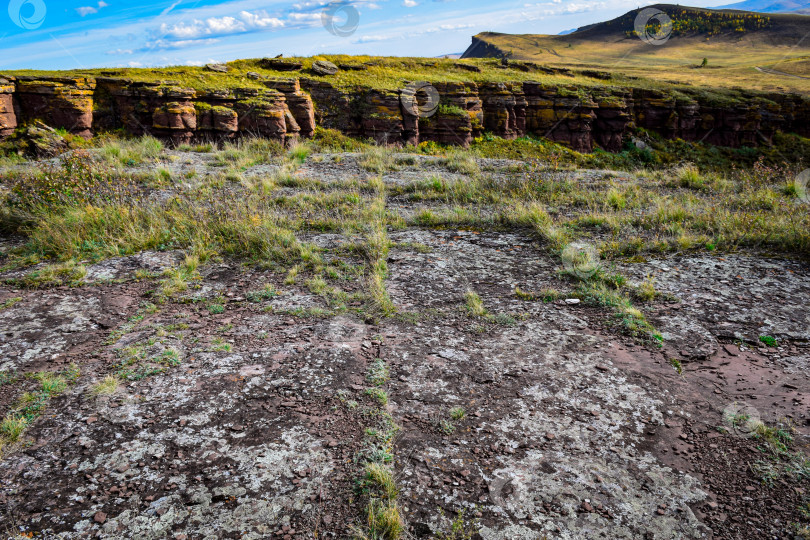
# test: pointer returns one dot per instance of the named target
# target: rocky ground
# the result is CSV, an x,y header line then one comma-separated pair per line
x,y
242,408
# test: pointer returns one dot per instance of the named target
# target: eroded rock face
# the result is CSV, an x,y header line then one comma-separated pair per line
x,y
578,117
8,116
63,102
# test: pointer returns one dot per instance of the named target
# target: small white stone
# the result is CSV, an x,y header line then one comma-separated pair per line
x,y
572,301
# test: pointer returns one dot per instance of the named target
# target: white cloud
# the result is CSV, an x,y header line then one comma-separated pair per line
x,y
179,44
246,21
90,10
410,3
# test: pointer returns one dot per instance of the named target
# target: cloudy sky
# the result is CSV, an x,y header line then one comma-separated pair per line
x,y
50,34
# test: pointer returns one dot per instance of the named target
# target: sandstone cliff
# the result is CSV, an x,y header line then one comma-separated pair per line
x,y
582,117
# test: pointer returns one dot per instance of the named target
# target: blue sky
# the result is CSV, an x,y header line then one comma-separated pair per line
x,y
50,34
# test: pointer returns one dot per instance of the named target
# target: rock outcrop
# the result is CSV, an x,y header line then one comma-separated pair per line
x,y
8,115
287,108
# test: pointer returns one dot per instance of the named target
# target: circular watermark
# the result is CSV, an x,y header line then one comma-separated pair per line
x,y
581,259
420,99
27,14
653,26
741,419
340,19
802,186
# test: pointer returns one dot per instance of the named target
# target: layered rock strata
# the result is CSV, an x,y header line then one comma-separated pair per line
x,y
581,117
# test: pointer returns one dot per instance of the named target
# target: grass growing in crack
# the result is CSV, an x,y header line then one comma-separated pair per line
x,y
377,245
33,404
460,528
474,304
546,295
384,521
674,362
383,516
379,395
608,290
10,302
378,373
381,477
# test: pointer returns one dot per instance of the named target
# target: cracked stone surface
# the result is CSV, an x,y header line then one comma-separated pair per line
x,y
569,429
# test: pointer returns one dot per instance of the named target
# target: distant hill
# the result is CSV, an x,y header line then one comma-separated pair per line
x,y
741,48
771,6
697,25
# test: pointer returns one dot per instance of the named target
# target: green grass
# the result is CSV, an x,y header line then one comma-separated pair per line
x,y
10,302
457,413
474,304
33,404
378,374
768,340
105,387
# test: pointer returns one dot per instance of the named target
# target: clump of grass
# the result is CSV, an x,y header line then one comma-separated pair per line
x,y
299,152
70,273
176,280
379,395
457,413
131,152
106,387
616,199
459,528
545,294
768,341
674,362
381,477
602,292
645,292
292,274
503,319
317,285
216,309
778,437
446,426
462,162
384,521
11,428
474,304
378,159
199,148
32,404
690,177
267,292
10,302
378,373
247,153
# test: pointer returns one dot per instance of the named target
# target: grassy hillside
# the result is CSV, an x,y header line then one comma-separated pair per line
x,y
734,44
